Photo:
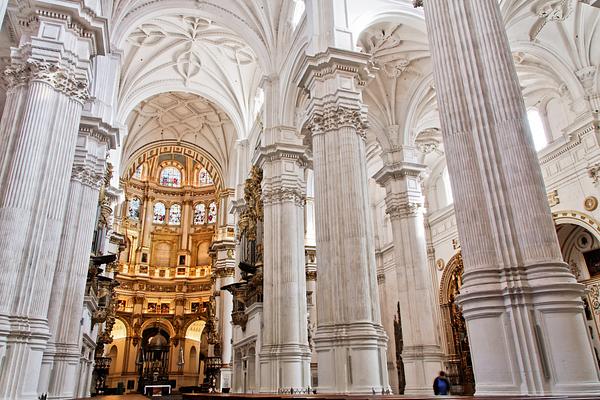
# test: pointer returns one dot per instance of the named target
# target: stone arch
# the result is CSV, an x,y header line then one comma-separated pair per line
x,y
148,152
159,323
577,218
453,267
460,367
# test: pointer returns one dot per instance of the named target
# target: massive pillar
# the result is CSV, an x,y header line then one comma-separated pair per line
x,y
421,352
47,85
522,305
285,355
61,357
350,340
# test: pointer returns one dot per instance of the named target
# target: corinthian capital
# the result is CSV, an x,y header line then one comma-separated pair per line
x,y
57,76
333,117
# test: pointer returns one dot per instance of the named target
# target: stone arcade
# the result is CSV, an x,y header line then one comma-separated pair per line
x,y
277,196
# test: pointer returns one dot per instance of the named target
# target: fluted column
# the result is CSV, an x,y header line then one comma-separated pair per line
x,y
47,85
350,340
421,352
521,303
61,357
284,354
224,248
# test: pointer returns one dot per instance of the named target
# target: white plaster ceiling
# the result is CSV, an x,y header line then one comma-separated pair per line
x,y
191,54
184,118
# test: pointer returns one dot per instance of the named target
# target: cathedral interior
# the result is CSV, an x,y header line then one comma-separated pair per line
x,y
299,197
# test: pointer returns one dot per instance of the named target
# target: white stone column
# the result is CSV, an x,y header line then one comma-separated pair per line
x,y
284,354
350,340
225,272
47,86
522,305
421,352
63,353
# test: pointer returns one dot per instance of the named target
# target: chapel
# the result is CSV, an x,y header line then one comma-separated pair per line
x,y
283,198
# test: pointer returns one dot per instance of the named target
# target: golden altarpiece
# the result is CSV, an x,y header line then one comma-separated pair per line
x,y
165,324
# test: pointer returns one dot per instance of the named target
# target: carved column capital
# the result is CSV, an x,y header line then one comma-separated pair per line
x,y
282,195
333,117
57,76
88,176
403,210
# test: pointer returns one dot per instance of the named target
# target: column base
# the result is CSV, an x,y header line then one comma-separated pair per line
x,y
225,381
529,338
352,358
422,365
284,367
25,345
65,364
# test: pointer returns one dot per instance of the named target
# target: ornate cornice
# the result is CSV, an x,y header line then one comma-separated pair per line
x,y
60,78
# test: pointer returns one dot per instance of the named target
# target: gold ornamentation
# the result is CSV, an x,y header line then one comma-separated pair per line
x,y
311,275
553,198
440,264
590,203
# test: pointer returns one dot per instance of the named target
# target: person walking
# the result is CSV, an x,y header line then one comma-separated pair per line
x,y
441,385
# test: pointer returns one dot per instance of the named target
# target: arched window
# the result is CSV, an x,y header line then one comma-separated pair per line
x,y
199,214
138,172
175,214
536,126
204,177
447,187
212,213
133,210
159,213
170,176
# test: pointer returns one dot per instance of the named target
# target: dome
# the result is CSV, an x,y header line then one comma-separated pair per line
x,y
157,340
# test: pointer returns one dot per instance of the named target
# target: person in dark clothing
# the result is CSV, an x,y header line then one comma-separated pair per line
x,y
441,385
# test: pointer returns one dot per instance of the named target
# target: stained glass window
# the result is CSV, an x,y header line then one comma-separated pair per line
x,y
212,213
199,214
175,214
170,176
159,213
138,172
204,177
134,208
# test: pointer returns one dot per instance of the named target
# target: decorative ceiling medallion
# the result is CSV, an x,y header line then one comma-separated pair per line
x,y
590,203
